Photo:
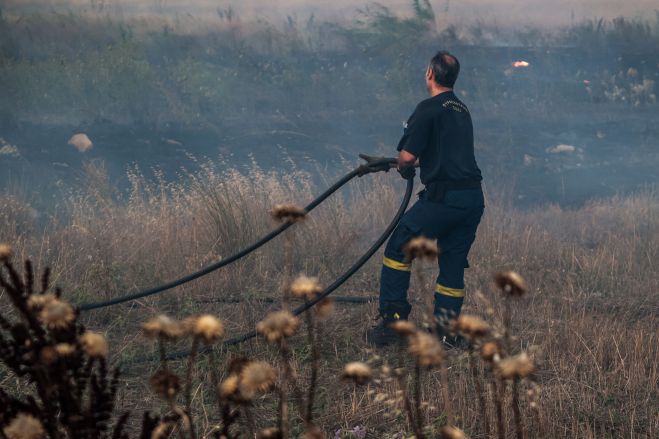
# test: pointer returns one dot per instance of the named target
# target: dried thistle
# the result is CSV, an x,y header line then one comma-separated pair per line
x,y
207,328
165,384
269,433
427,349
64,349
305,287
229,387
489,351
519,366
24,426
325,308
57,315
357,371
5,252
288,212
511,283
312,431
450,432
38,301
163,326
278,325
470,326
257,376
162,431
50,354
421,248
404,328
94,344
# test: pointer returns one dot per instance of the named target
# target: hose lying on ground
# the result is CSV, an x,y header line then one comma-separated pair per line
x,y
373,164
336,284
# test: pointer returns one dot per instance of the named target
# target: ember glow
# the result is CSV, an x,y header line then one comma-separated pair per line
x,y
518,64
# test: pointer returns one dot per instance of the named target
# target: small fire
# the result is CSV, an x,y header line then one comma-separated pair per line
x,y
518,64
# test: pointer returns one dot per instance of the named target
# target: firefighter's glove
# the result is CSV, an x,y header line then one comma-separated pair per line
x,y
407,172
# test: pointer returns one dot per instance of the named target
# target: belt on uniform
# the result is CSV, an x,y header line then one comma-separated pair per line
x,y
436,190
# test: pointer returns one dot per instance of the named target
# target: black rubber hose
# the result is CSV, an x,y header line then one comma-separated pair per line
x,y
337,283
337,299
372,166
352,270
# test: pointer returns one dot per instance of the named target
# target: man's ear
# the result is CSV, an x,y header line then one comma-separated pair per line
x,y
429,73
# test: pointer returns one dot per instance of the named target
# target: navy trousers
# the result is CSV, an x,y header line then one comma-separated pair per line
x,y
453,223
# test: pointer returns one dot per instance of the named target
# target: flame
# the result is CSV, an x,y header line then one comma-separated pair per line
x,y
518,64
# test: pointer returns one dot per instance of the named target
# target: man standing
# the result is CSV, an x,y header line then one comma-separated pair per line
x,y
439,139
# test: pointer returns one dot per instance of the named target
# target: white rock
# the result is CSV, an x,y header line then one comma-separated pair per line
x,y
561,148
81,142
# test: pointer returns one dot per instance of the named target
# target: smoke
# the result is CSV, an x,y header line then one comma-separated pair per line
x,y
504,12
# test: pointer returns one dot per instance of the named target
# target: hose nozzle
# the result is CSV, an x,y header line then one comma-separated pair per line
x,y
376,164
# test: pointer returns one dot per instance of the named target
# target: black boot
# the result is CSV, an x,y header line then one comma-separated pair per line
x,y
382,335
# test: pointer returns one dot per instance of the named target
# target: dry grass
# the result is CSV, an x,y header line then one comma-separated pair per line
x,y
590,318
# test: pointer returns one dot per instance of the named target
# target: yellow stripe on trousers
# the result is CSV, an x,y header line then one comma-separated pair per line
x,y
400,266
451,292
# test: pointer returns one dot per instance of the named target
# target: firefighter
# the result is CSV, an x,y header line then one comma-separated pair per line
x,y
438,139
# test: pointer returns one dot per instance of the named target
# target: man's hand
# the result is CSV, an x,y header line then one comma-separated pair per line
x,y
407,172
406,163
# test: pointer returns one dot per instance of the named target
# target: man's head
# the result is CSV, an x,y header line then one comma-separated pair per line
x,y
443,71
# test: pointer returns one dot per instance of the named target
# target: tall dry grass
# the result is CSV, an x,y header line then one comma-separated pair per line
x,y
590,318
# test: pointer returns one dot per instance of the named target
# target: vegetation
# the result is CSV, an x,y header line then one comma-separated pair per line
x,y
198,73
573,354
593,348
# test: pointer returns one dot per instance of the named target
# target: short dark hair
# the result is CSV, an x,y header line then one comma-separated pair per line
x,y
445,68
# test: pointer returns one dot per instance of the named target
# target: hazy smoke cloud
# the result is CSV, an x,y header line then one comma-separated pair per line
x,y
505,12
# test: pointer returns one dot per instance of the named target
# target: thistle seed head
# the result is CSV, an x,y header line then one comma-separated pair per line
x,y
288,212
489,350
229,387
162,431
208,328
64,349
24,426
165,384
269,433
278,325
426,348
38,301
404,328
357,371
450,432
57,314
5,252
50,354
163,326
421,248
257,376
519,366
305,287
325,308
472,327
511,283
313,432
94,344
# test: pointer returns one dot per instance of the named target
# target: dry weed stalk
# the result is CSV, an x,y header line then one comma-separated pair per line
x,y
276,328
474,330
423,250
70,392
288,213
307,288
510,368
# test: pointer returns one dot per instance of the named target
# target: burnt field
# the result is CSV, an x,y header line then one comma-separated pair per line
x,y
195,128
154,92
